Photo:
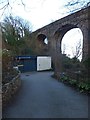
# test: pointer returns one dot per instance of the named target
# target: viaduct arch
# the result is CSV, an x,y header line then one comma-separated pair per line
x,y
55,31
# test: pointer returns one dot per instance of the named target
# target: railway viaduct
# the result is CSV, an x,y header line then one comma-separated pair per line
x,y
55,31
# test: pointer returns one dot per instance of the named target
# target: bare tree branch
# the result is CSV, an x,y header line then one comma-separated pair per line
x,y
7,5
2,2
22,3
74,5
64,48
3,11
78,50
4,6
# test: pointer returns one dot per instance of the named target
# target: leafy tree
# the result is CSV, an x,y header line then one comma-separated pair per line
x,y
71,64
7,66
86,66
66,62
15,31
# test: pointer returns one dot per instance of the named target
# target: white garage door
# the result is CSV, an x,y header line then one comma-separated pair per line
x,y
43,63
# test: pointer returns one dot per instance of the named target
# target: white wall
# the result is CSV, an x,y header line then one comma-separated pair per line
x,y
43,63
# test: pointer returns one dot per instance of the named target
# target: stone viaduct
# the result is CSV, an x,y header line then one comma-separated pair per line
x,y
55,31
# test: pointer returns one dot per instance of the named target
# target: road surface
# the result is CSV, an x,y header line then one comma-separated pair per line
x,y
41,96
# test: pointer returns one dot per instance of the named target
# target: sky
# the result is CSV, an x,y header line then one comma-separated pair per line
x,y
42,12
69,42
38,12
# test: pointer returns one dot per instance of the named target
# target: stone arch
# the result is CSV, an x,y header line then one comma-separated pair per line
x,y
56,30
60,32
71,40
42,39
42,43
58,36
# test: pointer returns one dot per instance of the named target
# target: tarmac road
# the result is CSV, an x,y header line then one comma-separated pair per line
x,y
41,96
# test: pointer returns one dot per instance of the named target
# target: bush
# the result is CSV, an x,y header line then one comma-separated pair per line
x,y
6,60
83,86
7,66
73,82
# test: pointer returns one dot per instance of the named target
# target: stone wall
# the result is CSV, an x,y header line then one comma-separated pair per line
x,y
9,89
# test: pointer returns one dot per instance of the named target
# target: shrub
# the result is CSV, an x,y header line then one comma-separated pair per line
x,y
73,82
7,66
6,60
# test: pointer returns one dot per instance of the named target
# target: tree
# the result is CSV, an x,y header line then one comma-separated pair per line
x,y
77,52
63,49
14,32
74,5
7,66
8,4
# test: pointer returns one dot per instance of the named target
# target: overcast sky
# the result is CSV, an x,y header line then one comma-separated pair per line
x,y
38,12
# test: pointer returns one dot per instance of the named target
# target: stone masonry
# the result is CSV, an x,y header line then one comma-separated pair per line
x,y
55,31
9,89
